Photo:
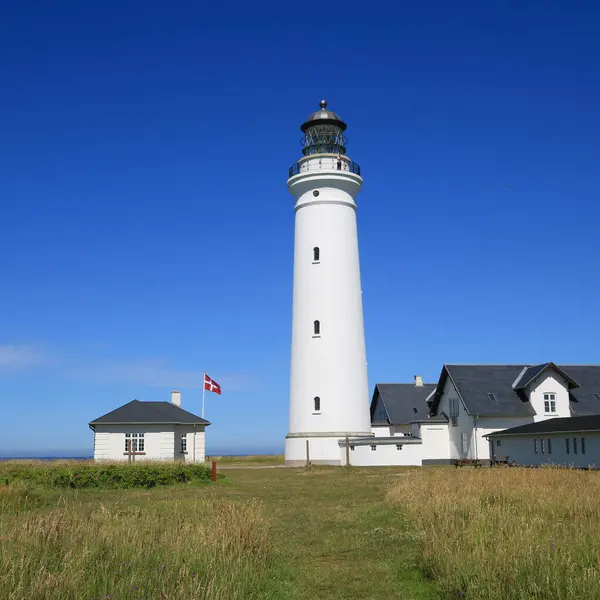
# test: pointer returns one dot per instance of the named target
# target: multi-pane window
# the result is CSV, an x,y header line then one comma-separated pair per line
x,y
317,404
184,442
316,254
492,398
351,447
465,444
134,442
543,446
373,447
567,446
398,446
549,446
498,442
535,446
317,327
574,445
550,403
582,445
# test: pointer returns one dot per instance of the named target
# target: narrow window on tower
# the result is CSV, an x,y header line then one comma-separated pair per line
x,y
317,404
316,254
317,327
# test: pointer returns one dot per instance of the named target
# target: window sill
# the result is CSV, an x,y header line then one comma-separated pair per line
x,y
317,413
316,336
316,262
182,452
134,453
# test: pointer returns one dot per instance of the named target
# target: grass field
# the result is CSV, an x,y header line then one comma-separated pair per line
x,y
353,534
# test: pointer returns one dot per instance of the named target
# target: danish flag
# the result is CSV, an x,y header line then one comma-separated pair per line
x,y
211,386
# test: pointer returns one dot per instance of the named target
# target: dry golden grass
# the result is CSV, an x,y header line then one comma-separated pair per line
x,y
213,548
505,533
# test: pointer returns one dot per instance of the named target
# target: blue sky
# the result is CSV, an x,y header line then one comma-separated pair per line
x,y
146,232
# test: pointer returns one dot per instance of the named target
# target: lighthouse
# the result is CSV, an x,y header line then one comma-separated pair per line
x,y
329,396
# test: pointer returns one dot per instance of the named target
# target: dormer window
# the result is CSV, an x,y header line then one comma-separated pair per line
x,y
549,403
492,398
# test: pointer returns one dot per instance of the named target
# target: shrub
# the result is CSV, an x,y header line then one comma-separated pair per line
x,y
88,475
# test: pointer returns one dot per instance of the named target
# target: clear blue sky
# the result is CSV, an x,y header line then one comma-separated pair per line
x,y
146,232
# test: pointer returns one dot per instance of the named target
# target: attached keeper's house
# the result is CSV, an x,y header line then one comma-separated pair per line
x,y
150,431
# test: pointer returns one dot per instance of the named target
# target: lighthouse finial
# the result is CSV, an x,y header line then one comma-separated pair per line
x,y
323,104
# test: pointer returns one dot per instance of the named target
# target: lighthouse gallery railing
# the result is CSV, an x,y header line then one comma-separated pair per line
x,y
324,164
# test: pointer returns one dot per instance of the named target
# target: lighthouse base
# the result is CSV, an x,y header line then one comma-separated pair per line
x,y
318,449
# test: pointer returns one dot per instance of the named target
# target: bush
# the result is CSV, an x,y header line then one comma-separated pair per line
x,y
87,475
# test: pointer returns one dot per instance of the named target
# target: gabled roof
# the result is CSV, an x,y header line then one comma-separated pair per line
x,y
557,425
136,412
530,373
403,402
474,383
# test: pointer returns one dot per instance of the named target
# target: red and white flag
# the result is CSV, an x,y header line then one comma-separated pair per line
x,y
211,386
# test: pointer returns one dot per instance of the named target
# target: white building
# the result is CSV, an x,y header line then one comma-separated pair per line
x,y
420,424
150,431
329,396
568,441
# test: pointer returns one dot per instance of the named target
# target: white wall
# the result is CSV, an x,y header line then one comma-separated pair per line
x,y
520,448
485,425
383,431
549,382
193,434
385,455
109,442
436,441
464,423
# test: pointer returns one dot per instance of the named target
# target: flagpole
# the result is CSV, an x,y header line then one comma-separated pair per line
x,y
203,391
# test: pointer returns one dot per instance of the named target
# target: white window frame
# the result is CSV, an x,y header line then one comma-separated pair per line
x,y
134,442
373,447
183,443
549,403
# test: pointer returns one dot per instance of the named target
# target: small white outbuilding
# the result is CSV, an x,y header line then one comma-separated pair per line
x,y
150,431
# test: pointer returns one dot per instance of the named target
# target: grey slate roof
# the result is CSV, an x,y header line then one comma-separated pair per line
x,y
149,412
403,402
582,398
475,382
558,425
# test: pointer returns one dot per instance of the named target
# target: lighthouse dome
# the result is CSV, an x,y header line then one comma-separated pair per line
x,y
323,115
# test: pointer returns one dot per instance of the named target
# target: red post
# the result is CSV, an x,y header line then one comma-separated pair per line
x,y
214,470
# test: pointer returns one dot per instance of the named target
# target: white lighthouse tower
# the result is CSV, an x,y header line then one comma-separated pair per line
x,y
329,396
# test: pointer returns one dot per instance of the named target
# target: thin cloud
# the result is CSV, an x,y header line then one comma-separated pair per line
x,y
15,358
154,373
92,370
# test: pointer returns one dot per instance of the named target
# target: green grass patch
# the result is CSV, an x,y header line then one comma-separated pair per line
x,y
260,534
255,459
